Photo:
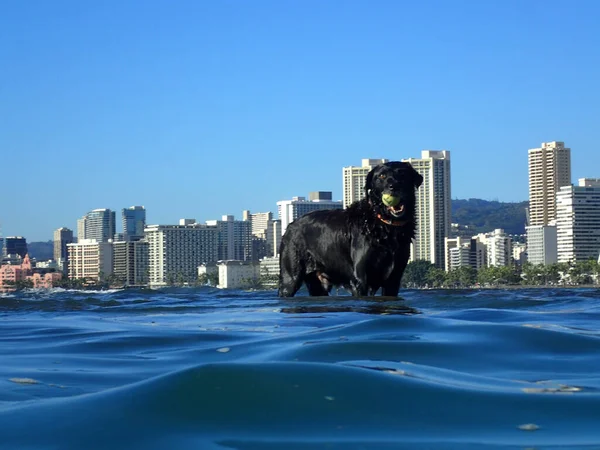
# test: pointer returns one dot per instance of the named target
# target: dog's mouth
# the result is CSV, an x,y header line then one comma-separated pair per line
x,y
397,210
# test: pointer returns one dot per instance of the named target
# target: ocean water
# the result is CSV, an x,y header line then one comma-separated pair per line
x,y
199,368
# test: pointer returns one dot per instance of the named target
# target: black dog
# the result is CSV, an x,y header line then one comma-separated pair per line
x,y
362,248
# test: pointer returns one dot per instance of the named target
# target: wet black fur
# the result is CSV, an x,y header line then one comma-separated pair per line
x,y
353,248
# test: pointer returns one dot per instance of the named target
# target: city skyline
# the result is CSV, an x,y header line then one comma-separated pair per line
x,y
273,210
236,106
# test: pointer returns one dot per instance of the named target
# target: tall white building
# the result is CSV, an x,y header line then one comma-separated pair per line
x,y
176,251
433,206
578,221
499,248
290,210
265,240
549,170
234,239
274,235
354,180
98,225
134,222
81,228
519,253
130,262
259,222
90,259
542,244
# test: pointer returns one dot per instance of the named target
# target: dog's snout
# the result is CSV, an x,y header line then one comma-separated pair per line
x,y
393,186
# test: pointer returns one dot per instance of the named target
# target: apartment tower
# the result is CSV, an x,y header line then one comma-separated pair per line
x,y
549,170
290,210
433,207
176,251
62,237
134,222
578,221
354,180
98,225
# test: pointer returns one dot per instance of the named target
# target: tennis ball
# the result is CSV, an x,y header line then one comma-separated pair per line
x,y
390,200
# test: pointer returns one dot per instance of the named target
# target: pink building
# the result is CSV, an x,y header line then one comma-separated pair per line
x,y
11,273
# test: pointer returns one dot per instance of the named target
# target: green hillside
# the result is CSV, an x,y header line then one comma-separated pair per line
x,y
479,216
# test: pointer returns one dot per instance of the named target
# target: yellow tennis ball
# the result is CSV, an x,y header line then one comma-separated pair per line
x,y
390,200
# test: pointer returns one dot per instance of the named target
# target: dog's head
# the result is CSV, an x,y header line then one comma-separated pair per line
x,y
390,189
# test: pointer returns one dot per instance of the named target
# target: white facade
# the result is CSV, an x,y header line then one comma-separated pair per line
x,y
234,238
549,170
270,266
499,248
98,224
464,252
519,252
258,221
433,206
176,251
353,180
207,269
81,228
290,210
266,234
130,262
578,221
274,234
238,274
542,244
90,259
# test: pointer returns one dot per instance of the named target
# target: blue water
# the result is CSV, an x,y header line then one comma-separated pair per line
x,y
208,369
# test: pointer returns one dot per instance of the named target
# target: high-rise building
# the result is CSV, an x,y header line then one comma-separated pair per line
x,y
578,221
62,237
498,248
90,259
15,245
354,180
98,225
259,223
519,253
274,235
549,170
433,207
290,210
542,244
461,251
234,240
81,228
176,251
134,222
130,262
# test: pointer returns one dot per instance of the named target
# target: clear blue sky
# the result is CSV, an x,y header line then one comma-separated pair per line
x,y
204,108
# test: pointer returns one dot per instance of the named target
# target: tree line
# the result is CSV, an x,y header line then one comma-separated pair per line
x,y
423,274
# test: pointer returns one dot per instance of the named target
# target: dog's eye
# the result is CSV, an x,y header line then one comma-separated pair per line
x,y
382,176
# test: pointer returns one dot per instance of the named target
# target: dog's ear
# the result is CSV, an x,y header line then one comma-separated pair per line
x,y
369,180
417,177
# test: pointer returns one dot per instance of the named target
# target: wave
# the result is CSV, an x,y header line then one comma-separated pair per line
x,y
241,405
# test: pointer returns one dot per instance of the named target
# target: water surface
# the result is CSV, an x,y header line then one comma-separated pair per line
x,y
201,368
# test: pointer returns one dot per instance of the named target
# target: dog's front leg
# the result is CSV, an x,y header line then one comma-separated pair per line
x,y
358,288
360,285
